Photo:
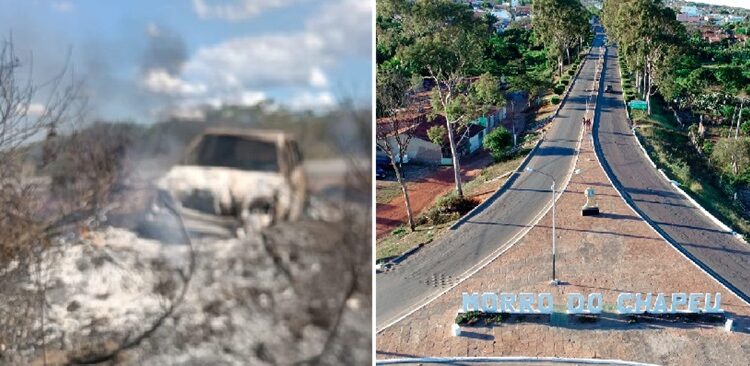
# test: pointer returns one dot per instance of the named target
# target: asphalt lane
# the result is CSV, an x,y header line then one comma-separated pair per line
x,y
436,267
658,200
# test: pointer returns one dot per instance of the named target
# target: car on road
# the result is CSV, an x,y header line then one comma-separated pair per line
x,y
252,176
608,89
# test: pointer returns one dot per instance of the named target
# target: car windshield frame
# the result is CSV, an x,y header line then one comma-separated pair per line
x,y
227,151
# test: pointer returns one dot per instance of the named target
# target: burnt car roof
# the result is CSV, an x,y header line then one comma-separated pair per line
x,y
271,135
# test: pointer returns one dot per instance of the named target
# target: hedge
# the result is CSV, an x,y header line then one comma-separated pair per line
x,y
555,99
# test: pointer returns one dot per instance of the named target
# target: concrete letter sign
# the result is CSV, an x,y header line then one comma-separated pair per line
x,y
489,302
525,301
627,303
575,303
595,303
621,301
545,303
470,302
716,307
642,303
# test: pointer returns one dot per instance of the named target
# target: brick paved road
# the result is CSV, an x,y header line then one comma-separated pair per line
x,y
611,253
444,261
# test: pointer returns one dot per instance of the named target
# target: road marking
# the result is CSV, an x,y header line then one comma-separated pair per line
x,y
514,239
672,243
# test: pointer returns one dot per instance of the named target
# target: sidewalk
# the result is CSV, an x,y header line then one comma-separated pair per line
x,y
614,252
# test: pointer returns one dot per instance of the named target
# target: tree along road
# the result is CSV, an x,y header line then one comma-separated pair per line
x,y
441,264
695,234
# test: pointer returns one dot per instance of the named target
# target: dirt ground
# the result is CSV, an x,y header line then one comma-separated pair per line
x,y
425,183
423,190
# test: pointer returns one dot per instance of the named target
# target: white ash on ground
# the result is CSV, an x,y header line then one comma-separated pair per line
x,y
265,299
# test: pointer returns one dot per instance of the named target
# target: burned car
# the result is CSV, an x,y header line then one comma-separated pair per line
x,y
252,178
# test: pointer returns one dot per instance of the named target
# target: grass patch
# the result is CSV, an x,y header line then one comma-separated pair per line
x,y
669,146
478,185
387,191
393,245
487,181
399,231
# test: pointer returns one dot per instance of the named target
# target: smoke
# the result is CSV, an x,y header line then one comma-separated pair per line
x,y
165,51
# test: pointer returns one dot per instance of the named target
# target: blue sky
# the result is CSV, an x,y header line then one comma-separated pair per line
x,y
142,60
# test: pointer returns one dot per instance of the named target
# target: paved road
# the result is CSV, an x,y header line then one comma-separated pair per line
x,y
430,271
659,201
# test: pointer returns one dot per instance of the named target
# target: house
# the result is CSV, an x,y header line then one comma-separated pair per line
x,y
733,19
689,10
522,11
469,137
713,35
686,18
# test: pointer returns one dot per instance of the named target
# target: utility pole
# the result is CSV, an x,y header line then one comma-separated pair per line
x,y
554,280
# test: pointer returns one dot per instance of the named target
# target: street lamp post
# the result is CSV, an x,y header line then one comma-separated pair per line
x,y
554,280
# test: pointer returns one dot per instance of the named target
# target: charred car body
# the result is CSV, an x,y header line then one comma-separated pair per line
x,y
247,178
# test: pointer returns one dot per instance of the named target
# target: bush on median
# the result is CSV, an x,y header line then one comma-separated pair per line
x,y
555,99
447,208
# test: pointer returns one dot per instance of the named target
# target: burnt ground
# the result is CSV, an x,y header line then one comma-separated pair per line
x,y
297,293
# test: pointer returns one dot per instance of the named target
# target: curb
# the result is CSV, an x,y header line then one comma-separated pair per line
x,y
407,253
676,184
627,111
508,182
528,157
570,86
511,242
676,246
510,360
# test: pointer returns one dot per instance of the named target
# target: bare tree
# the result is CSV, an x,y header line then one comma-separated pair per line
x,y
33,117
392,130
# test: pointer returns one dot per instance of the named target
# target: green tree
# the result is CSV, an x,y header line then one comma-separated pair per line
x,y
447,46
732,155
436,134
651,39
393,134
460,102
559,25
498,142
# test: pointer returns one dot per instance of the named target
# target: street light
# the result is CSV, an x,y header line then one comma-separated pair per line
x,y
554,280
